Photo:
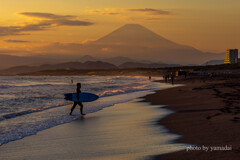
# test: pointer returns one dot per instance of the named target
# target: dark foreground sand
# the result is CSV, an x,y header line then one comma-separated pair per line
x,y
124,131
207,113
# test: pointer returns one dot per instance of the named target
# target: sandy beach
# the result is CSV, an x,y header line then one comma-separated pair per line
x,y
124,131
207,114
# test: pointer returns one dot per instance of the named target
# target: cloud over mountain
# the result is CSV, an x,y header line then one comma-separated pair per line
x,y
59,20
132,13
46,15
45,21
150,11
16,41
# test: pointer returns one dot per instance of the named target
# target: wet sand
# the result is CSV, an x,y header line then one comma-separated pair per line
x,y
207,113
123,131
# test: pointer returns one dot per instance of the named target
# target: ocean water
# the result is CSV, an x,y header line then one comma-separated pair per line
x,y
30,104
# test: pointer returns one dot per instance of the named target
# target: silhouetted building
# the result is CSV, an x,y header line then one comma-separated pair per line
x,y
231,56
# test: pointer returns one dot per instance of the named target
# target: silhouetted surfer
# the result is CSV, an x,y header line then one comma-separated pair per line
x,y
172,78
78,102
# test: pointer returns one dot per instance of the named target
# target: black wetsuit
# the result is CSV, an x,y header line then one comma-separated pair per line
x,y
77,103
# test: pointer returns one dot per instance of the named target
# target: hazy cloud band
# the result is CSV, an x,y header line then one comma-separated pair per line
x,y
46,21
116,11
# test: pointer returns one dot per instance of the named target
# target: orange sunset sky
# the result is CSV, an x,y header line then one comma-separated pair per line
x,y
27,25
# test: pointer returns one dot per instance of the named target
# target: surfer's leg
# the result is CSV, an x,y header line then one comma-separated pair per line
x,y
73,106
81,108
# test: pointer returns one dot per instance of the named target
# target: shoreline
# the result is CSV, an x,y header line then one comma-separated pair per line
x,y
51,111
118,132
206,114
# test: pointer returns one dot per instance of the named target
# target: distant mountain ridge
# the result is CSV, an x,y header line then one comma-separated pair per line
x,y
67,66
145,65
214,62
129,43
88,65
7,61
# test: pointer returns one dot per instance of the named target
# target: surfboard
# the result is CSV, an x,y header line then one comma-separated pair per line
x,y
83,97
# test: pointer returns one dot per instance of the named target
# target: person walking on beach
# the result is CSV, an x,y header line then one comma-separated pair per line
x,y
166,78
78,90
172,78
